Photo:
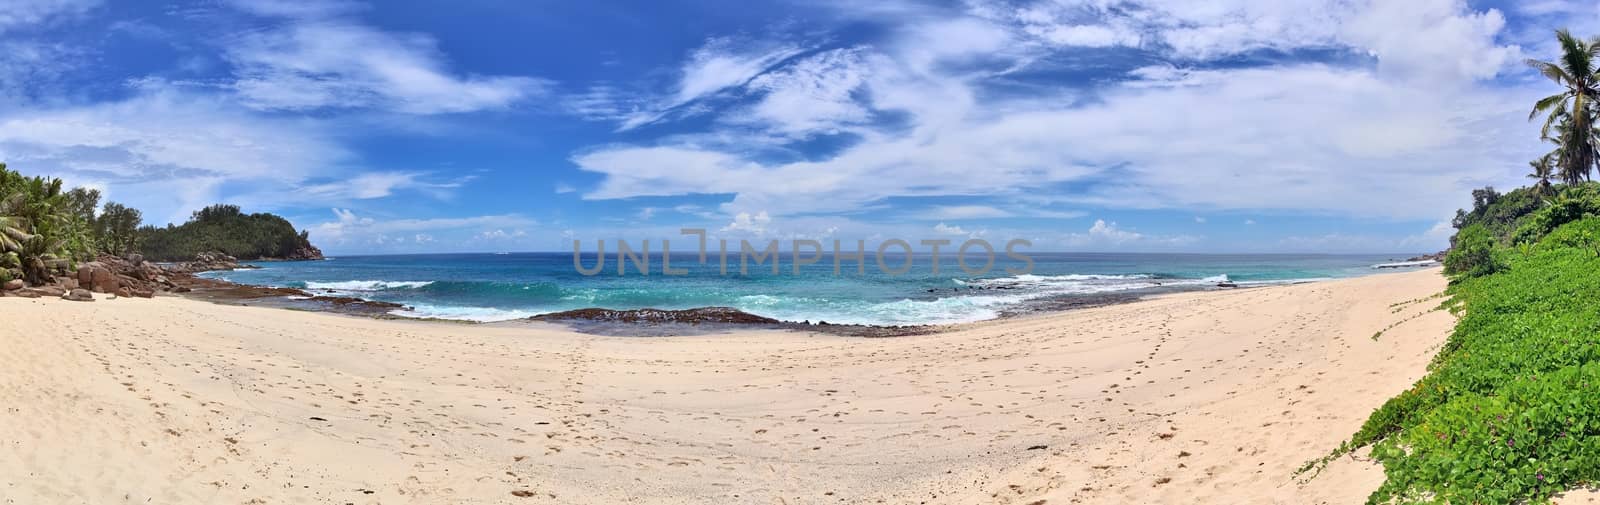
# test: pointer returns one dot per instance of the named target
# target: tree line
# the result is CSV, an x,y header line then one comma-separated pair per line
x,y
45,227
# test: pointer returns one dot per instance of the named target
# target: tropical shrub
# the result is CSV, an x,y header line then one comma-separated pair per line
x,y
1572,204
1474,253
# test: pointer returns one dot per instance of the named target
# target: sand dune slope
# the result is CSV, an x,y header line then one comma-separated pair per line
x,y
1201,397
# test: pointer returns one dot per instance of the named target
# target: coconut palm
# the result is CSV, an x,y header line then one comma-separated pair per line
x,y
1543,171
1575,71
14,227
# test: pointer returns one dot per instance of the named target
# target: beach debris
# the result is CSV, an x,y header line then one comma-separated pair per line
x,y
79,295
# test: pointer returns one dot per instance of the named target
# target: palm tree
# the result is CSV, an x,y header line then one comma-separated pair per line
x,y
1575,71
14,227
1543,171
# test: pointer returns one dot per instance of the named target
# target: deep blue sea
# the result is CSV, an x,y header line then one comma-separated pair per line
x,y
492,287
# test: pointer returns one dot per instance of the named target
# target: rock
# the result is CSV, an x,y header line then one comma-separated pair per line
x,y
69,283
305,252
79,295
124,292
98,276
24,293
725,315
48,290
12,285
136,259
1227,284
209,261
143,293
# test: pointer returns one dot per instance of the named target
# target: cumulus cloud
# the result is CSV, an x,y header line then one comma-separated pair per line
x,y
745,222
1107,235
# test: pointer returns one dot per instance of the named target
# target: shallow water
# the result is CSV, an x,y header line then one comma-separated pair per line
x,y
493,287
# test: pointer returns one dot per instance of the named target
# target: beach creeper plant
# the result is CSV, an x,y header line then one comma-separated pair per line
x,y
1510,409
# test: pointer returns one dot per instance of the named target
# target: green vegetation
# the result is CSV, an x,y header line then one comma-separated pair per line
x,y
1508,412
224,228
44,228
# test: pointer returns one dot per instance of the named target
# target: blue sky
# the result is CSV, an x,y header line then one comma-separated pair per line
x,y
1081,125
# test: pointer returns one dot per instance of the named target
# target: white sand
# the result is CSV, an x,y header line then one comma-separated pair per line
x,y
1199,397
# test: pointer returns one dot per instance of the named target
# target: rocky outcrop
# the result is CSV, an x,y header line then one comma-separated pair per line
x,y
1438,256
97,276
12,285
306,252
207,262
726,315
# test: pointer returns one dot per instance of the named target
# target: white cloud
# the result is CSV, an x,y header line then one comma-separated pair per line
x,y
720,64
967,212
1401,139
944,229
371,185
1200,219
813,95
744,222
351,230
498,234
162,139
1435,238
1107,235
28,13
296,8
316,64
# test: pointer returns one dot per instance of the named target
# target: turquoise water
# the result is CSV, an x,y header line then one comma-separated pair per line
x,y
492,287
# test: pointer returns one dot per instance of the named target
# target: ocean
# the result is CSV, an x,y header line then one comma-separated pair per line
x,y
504,286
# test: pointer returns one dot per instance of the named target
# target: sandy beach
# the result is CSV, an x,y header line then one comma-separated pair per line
x,y
1211,397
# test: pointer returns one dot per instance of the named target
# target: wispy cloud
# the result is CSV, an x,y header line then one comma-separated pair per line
x,y
313,62
31,13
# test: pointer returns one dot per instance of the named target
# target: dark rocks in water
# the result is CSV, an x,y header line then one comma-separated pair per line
x,y
306,252
723,315
1227,284
209,261
1438,256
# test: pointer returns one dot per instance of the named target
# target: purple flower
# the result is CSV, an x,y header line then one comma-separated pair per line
x,y
1539,476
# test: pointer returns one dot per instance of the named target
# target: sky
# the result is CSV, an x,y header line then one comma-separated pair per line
x,y
1334,126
